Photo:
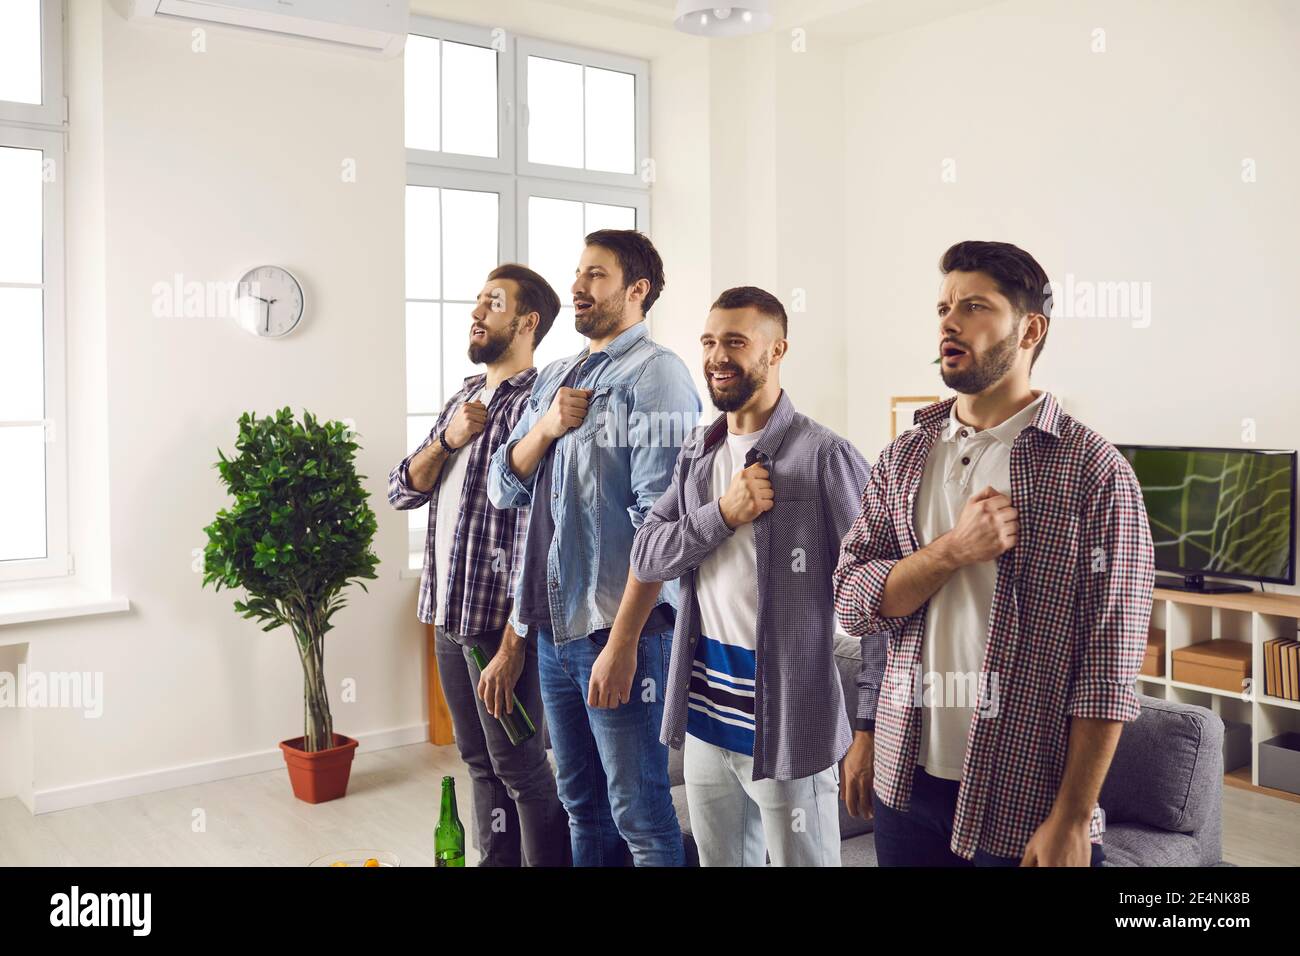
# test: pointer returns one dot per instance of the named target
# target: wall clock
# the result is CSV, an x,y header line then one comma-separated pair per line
x,y
271,302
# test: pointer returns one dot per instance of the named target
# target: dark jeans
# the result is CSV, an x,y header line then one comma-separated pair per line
x,y
921,835
517,813
611,769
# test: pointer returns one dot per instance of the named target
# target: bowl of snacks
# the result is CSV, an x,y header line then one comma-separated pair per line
x,y
357,858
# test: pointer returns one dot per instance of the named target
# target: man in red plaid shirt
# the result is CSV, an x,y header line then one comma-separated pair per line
x,y
1004,546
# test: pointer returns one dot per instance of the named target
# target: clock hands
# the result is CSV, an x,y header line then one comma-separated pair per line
x,y
269,303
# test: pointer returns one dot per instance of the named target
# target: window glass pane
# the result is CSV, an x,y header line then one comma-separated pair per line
x,y
423,356
423,93
554,112
423,230
22,358
469,111
20,215
610,114
470,244
555,242
601,216
562,341
22,492
457,367
20,51
417,429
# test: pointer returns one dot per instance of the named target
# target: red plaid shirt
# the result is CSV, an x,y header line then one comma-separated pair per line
x,y
1067,628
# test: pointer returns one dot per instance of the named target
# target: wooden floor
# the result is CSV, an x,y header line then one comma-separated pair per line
x,y
392,804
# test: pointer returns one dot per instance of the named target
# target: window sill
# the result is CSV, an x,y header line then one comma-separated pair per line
x,y
46,601
409,573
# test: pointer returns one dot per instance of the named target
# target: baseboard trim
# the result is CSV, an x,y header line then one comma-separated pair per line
x,y
153,781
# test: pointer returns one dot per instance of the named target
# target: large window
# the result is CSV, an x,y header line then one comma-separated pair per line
x,y
33,479
516,149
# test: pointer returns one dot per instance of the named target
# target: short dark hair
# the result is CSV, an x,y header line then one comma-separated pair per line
x,y
535,295
749,296
1018,275
637,258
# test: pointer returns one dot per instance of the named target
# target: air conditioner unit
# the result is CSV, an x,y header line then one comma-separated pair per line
x,y
378,26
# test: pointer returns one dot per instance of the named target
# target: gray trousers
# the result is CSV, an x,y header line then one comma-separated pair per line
x,y
518,818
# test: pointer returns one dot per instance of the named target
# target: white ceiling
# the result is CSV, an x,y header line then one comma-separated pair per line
x,y
847,20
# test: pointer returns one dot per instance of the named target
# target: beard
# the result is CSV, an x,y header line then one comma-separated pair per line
x,y
985,369
495,346
742,388
602,318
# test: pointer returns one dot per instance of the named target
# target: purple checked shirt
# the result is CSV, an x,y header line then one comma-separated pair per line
x,y
1067,628
817,479
488,549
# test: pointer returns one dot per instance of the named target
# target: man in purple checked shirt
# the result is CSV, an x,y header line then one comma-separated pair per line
x,y
752,524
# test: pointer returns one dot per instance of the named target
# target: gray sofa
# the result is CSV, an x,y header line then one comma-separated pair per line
x,y
1163,797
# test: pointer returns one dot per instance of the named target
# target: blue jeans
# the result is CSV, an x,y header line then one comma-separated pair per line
x,y
611,769
921,835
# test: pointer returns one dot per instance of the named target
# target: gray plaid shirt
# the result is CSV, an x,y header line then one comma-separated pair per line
x,y
817,479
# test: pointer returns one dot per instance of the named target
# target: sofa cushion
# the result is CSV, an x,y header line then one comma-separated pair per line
x,y
1168,768
1132,844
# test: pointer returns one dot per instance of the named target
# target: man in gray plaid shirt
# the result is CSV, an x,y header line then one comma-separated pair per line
x,y
472,559
751,524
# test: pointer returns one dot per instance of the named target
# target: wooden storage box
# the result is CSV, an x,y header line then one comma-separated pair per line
x,y
1153,664
1224,665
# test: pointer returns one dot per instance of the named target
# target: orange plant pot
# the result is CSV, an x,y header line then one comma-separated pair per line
x,y
321,776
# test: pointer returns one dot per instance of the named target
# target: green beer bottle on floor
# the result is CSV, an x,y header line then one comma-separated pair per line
x,y
518,725
449,838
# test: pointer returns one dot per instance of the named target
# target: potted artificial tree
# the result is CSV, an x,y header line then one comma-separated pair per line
x,y
298,533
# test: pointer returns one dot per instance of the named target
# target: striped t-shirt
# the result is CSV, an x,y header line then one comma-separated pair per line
x,y
721,702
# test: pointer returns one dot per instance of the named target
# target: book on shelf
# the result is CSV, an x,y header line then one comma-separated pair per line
x,y
1282,669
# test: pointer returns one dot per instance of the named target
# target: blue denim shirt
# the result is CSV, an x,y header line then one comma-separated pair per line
x,y
606,474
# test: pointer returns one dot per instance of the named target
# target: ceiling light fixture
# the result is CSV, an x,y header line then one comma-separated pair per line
x,y
708,19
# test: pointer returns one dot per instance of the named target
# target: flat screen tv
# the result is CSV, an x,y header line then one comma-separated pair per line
x,y
1219,512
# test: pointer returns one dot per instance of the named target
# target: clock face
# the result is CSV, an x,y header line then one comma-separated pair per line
x,y
270,302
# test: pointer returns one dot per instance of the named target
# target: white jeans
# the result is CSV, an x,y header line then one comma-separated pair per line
x,y
736,820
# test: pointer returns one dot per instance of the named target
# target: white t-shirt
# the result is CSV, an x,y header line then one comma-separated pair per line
x,y
450,485
721,701
961,463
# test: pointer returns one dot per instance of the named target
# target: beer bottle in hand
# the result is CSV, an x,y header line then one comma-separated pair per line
x,y
518,725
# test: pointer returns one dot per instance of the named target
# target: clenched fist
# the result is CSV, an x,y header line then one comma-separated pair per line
x,y
466,424
567,411
988,526
749,495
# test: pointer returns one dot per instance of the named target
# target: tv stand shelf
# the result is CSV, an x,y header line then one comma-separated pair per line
x,y
1255,617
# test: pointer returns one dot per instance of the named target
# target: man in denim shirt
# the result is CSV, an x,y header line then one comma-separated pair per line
x,y
594,450
752,525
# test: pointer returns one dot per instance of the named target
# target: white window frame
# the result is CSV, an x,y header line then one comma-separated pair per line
x,y
445,177
577,192
510,174
492,38
640,70
52,111
58,561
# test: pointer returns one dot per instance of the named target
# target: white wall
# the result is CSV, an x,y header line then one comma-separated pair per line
x,y
1122,165
213,162
777,199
